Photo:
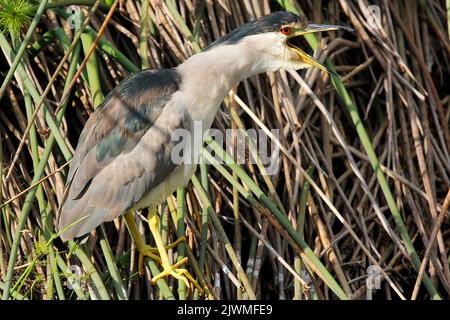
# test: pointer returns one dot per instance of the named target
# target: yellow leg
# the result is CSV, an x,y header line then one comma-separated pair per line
x,y
173,270
144,250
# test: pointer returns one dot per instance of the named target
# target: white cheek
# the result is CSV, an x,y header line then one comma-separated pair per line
x,y
270,52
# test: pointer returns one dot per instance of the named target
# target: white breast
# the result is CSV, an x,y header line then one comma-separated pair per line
x,y
178,178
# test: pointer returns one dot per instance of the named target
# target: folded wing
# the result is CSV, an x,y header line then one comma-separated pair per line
x,y
123,152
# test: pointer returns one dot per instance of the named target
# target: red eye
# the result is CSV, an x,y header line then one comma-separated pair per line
x,y
285,30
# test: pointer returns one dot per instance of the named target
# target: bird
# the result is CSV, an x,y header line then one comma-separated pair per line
x,y
122,162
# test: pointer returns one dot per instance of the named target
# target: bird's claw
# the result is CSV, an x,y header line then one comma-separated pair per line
x,y
178,273
152,252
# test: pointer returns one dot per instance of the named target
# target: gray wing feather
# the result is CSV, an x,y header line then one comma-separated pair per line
x,y
123,152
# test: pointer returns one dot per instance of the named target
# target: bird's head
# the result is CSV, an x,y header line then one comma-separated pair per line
x,y
278,39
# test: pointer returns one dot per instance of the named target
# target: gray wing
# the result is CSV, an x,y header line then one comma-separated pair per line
x,y
123,152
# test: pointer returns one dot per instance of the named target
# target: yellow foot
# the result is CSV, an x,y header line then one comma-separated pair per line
x,y
151,252
178,273
168,269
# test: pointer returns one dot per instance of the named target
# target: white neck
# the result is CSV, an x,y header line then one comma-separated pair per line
x,y
207,77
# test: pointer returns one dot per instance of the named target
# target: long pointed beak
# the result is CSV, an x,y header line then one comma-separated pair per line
x,y
313,28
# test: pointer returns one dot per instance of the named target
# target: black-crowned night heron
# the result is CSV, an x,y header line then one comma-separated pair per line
x,y
123,158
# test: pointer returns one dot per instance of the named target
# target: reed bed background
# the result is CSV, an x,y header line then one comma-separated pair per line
x,y
364,179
